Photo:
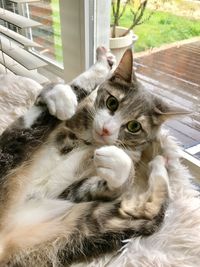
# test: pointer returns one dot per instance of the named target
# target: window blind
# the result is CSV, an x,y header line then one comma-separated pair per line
x,y
15,56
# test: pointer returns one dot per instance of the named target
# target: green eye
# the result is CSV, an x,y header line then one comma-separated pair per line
x,y
112,103
134,126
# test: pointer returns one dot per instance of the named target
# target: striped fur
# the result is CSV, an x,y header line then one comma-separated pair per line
x,y
55,209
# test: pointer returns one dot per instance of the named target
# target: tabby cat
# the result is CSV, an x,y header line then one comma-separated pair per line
x,y
79,177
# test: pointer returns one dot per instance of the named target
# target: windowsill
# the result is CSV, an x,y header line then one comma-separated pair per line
x,y
193,164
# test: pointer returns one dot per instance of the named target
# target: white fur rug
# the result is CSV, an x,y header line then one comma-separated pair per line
x,y
177,243
16,95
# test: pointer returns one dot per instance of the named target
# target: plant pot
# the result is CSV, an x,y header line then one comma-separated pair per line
x,y
118,45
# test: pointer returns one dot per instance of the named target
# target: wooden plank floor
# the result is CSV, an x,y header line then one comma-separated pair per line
x,y
174,73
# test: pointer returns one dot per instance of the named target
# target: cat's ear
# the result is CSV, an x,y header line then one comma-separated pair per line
x,y
163,111
124,71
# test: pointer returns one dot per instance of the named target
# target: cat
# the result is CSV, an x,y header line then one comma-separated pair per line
x,y
74,189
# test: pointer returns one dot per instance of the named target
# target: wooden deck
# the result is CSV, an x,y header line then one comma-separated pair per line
x,y
174,73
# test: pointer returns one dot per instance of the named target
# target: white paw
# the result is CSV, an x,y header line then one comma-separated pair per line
x,y
157,163
61,101
105,56
111,60
113,165
157,168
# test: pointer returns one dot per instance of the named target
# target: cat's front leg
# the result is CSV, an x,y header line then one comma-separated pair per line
x,y
62,99
147,205
103,68
114,171
113,165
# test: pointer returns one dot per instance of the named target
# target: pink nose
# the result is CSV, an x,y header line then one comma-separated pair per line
x,y
105,132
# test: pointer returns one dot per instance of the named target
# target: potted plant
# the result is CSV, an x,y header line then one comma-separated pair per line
x,y
121,37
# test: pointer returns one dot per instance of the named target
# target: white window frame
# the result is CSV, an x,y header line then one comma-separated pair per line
x,y
90,27
192,163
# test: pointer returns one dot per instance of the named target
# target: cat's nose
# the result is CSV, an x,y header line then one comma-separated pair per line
x,y
105,132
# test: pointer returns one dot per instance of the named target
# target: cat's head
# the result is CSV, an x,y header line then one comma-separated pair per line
x,y
126,113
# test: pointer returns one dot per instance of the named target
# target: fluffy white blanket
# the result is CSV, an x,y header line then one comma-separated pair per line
x,y
16,95
177,243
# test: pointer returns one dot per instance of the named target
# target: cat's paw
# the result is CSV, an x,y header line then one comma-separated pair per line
x,y
61,101
104,55
148,204
157,167
157,161
111,59
158,175
139,208
113,165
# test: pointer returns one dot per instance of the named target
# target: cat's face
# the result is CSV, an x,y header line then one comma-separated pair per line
x,y
124,114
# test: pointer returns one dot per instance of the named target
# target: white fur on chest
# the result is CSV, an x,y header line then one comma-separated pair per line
x,y
52,173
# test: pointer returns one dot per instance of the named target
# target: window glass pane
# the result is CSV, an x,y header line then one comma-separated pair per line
x,y
48,35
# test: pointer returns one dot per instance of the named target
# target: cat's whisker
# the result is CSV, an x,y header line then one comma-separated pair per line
x,y
144,164
91,112
120,143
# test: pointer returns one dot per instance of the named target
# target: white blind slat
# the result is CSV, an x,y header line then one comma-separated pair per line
x,y
18,37
4,70
16,68
17,20
20,55
23,1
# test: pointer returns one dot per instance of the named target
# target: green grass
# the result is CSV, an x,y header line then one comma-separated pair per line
x,y
57,30
161,28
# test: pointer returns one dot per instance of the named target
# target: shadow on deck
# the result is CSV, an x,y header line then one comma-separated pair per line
x,y
173,72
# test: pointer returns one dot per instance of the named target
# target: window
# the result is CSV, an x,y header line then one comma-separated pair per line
x,y
48,35
48,31
58,32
